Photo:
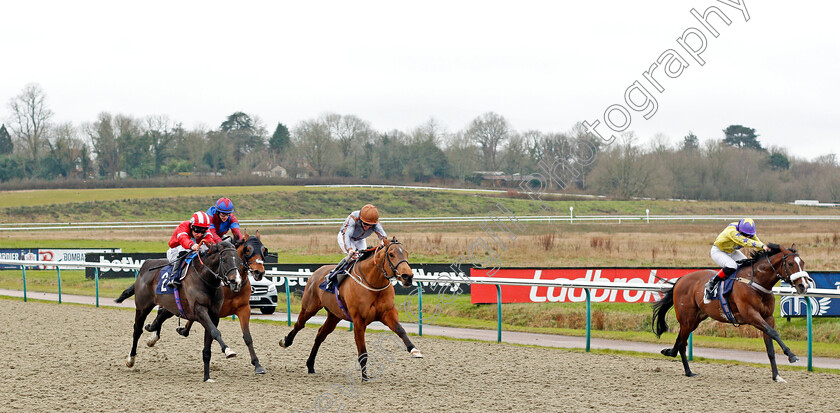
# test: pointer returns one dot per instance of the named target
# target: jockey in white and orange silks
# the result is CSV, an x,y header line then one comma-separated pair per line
x,y
351,238
726,251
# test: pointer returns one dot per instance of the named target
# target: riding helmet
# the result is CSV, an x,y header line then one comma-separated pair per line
x,y
746,226
369,214
224,205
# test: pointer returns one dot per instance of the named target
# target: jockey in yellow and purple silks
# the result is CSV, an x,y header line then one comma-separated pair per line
x,y
725,252
351,238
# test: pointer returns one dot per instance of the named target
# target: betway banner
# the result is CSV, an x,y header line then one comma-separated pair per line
x,y
50,254
793,306
136,258
484,294
431,270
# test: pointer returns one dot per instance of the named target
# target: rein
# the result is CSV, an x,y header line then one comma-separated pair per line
x,y
356,276
786,278
221,278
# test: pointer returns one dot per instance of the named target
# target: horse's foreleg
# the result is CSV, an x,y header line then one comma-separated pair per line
x,y
767,326
359,334
206,353
391,319
303,317
326,329
244,315
139,318
209,322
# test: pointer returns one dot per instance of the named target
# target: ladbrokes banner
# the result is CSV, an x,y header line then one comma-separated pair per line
x,y
482,294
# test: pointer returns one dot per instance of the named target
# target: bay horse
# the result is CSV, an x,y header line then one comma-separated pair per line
x,y
252,252
751,300
368,296
200,295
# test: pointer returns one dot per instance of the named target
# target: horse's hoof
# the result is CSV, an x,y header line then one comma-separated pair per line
x,y
283,343
152,340
792,358
668,352
229,353
691,374
259,370
129,361
182,331
149,328
366,378
209,381
416,353
779,379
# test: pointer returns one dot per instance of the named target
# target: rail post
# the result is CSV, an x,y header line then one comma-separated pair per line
x,y
288,304
810,337
96,280
23,270
58,271
499,310
588,318
691,346
419,308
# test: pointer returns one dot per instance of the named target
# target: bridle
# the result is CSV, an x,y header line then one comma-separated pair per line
x,y
246,264
381,268
789,277
221,274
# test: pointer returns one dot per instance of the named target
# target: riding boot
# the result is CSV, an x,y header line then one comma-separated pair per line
x,y
175,277
331,277
710,286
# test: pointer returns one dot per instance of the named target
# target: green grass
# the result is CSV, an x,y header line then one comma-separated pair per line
x,y
145,204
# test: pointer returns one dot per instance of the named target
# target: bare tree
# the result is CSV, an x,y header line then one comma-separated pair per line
x,y
105,144
30,119
489,131
347,130
312,139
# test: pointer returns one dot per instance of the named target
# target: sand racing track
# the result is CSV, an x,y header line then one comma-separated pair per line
x,y
60,357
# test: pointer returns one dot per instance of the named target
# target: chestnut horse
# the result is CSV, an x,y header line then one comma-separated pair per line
x,y
252,253
200,295
751,300
369,297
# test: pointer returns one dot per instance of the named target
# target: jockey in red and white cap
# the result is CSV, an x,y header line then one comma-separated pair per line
x,y
222,220
186,238
726,251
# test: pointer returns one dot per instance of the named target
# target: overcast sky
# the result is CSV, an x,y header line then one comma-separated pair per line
x,y
542,65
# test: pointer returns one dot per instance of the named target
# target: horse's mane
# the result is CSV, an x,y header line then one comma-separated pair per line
x,y
761,254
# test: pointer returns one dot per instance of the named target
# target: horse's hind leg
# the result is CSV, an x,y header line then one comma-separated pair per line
x,y
244,315
391,319
139,317
303,317
327,328
155,327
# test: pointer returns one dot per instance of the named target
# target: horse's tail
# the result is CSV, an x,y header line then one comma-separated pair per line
x,y
125,294
660,308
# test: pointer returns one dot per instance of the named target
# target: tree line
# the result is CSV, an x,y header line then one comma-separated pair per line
x,y
734,166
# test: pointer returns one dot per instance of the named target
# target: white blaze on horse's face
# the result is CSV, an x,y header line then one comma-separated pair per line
x,y
805,280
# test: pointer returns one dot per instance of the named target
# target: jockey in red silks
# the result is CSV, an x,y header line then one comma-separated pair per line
x,y
222,220
186,238
351,238
726,251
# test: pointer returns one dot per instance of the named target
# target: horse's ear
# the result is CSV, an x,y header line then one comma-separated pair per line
x,y
258,234
245,233
793,247
385,241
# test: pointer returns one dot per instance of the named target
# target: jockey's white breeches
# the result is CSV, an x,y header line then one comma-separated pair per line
x,y
726,260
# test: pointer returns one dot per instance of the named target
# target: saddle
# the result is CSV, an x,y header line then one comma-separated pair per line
x,y
721,291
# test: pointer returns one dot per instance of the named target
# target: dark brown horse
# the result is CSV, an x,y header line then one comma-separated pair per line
x,y
200,295
252,252
751,300
368,296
